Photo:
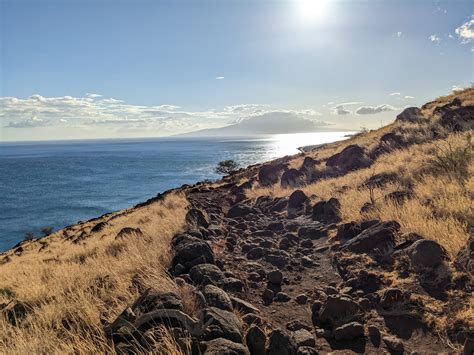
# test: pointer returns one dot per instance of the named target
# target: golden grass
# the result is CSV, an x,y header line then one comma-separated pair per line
x,y
72,289
441,208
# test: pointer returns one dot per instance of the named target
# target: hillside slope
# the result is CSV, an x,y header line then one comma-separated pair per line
x,y
363,245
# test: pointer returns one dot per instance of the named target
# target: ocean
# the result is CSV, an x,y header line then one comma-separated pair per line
x,y
62,182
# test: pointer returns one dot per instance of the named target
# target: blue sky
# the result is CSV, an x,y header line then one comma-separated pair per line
x,y
163,67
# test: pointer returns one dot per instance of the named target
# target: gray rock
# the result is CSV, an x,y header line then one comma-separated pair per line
x,y
243,306
378,239
206,274
337,310
275,277
302,337
221,346
280,344
216,297
223,323
349,331
256,340
393,343
425,253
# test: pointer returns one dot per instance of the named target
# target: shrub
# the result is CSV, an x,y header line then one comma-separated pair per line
x,y
29,236
226,167
454,162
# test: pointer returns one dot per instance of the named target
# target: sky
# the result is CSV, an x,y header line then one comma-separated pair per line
x,y
76,69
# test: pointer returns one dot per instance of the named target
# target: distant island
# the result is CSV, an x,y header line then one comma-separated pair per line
x,y
267,123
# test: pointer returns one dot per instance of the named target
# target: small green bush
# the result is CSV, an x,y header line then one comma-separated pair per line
x,y
226,167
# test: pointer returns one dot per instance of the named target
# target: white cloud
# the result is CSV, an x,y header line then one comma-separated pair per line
x,y
370,110
457,88
466,31
399,34
408,97
93,96
435,38
116,116
394,94
220,78
341,109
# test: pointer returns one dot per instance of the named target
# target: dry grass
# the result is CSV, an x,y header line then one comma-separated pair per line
x,y
72,289
441,207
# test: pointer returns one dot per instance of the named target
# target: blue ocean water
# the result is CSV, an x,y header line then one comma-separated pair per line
x,y
59,183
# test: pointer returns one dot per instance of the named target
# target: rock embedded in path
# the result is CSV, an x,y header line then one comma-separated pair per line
x,y
275,277
303,337
223,323
256,340
216,297
197,218
206,274
337,310
240,210
379,239
190,251
349,331
280,344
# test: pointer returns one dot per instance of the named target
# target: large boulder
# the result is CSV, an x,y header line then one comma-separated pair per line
x,y
197,218
292,178
327,211
280,343
459,120
240,210
216,297
352,157
222,324
336,311
270,174
255,340
297,203
206,274
378,239
411,115
425,254
190,251
349,331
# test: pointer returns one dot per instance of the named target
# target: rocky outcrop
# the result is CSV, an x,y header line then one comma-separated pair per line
x,y
411,115
270,174
352,157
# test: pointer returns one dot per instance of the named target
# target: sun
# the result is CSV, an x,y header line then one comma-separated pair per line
x,y
312,10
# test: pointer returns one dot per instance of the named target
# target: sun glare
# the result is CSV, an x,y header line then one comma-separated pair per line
x,y
312,11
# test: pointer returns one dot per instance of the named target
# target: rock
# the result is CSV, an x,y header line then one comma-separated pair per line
x,y
297,200
255,253
308,164
411,115
232,284
327,211
306,261
302,337
197,218
337,310
306,350
206,274
256,340
275,277
374,335
465,258
295,325
221,346
349,331
425,253
279,261
282,297
223,323
275,226
312,232
378,239
292,178
367,207
268,295
459,120
393,343
270,174
15,312
99,227
243,306
301,299
280,344
154,299
190,251
350,158
240,210
216,297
